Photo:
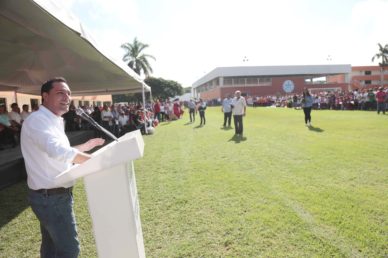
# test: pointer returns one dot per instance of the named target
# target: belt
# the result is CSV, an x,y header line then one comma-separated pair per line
x,y
54,191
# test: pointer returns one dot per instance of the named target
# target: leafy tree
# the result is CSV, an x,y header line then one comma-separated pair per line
x,y
137,61
135,57
163,89
383,54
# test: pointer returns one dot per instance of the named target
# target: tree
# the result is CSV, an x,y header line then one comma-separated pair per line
x,y
383,54
137,60
163,89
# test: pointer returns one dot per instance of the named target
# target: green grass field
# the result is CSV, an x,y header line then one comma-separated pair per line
x,y
283,190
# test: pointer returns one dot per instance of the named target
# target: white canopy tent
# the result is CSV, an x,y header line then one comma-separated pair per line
x,y
39,40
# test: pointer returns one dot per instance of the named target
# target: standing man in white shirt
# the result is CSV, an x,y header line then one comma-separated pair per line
x,y
47,153
239,107
24,114
14,115
192,110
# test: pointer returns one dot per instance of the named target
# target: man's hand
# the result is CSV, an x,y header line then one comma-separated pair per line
x,y
92,143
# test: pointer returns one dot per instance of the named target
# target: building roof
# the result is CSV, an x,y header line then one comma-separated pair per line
x,y
295,70
39,40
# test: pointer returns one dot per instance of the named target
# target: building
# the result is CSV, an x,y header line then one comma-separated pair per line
x,y
283,80
369,76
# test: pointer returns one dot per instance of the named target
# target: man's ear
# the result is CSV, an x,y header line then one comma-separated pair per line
x,y
44,96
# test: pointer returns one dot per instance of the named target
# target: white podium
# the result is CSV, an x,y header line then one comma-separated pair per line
x,y
111,191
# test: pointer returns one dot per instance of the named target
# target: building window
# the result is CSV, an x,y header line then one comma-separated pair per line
x,y
107,103
368,72
3,101
368,82
228,81
239,81
252,80
86,103
34,103
264,80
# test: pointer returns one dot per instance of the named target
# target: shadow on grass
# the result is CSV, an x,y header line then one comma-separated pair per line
x,y
238,139
13,201
316,129
226,128
188,123
198,126
165,123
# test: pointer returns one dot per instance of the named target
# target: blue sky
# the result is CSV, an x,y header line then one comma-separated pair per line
x,y
189,38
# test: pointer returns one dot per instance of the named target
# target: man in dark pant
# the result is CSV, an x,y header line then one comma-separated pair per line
x,y
239,106
192,114
238,124
192,109
227,118
227,109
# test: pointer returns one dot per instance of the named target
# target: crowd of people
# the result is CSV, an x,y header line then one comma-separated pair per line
x,y
11,124
364,99
117,119
357,99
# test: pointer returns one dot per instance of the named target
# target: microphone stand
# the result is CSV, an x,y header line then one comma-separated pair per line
x,y
86,117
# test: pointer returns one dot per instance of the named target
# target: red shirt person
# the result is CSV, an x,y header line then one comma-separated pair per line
x,y
380,98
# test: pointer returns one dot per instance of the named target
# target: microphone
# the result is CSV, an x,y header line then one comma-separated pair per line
x,y
83,115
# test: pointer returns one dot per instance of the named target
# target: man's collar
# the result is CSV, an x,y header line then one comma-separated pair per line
x,y
48,112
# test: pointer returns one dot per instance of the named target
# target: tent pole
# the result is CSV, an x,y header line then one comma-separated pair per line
x,y
16,96
144,110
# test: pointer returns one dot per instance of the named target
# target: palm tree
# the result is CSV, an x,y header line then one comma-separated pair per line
x,y
383,54
137,60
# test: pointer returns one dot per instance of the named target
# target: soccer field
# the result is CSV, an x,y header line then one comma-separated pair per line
x,y
284,190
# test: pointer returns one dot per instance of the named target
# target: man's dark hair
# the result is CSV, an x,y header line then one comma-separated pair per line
x,y
47,86
14,105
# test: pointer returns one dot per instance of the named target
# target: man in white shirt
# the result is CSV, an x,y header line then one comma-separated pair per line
x,y
47,153
24,114
107,118
14,115
227,109
239,107
192,110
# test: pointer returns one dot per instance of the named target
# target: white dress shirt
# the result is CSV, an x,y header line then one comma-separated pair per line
x,y
123,120
46,149
15,117
24,115
238,106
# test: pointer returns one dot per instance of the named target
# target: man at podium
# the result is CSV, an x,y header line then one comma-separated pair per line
x,y
47,153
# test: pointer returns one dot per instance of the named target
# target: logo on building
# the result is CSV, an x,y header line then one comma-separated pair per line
x,y
288,86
